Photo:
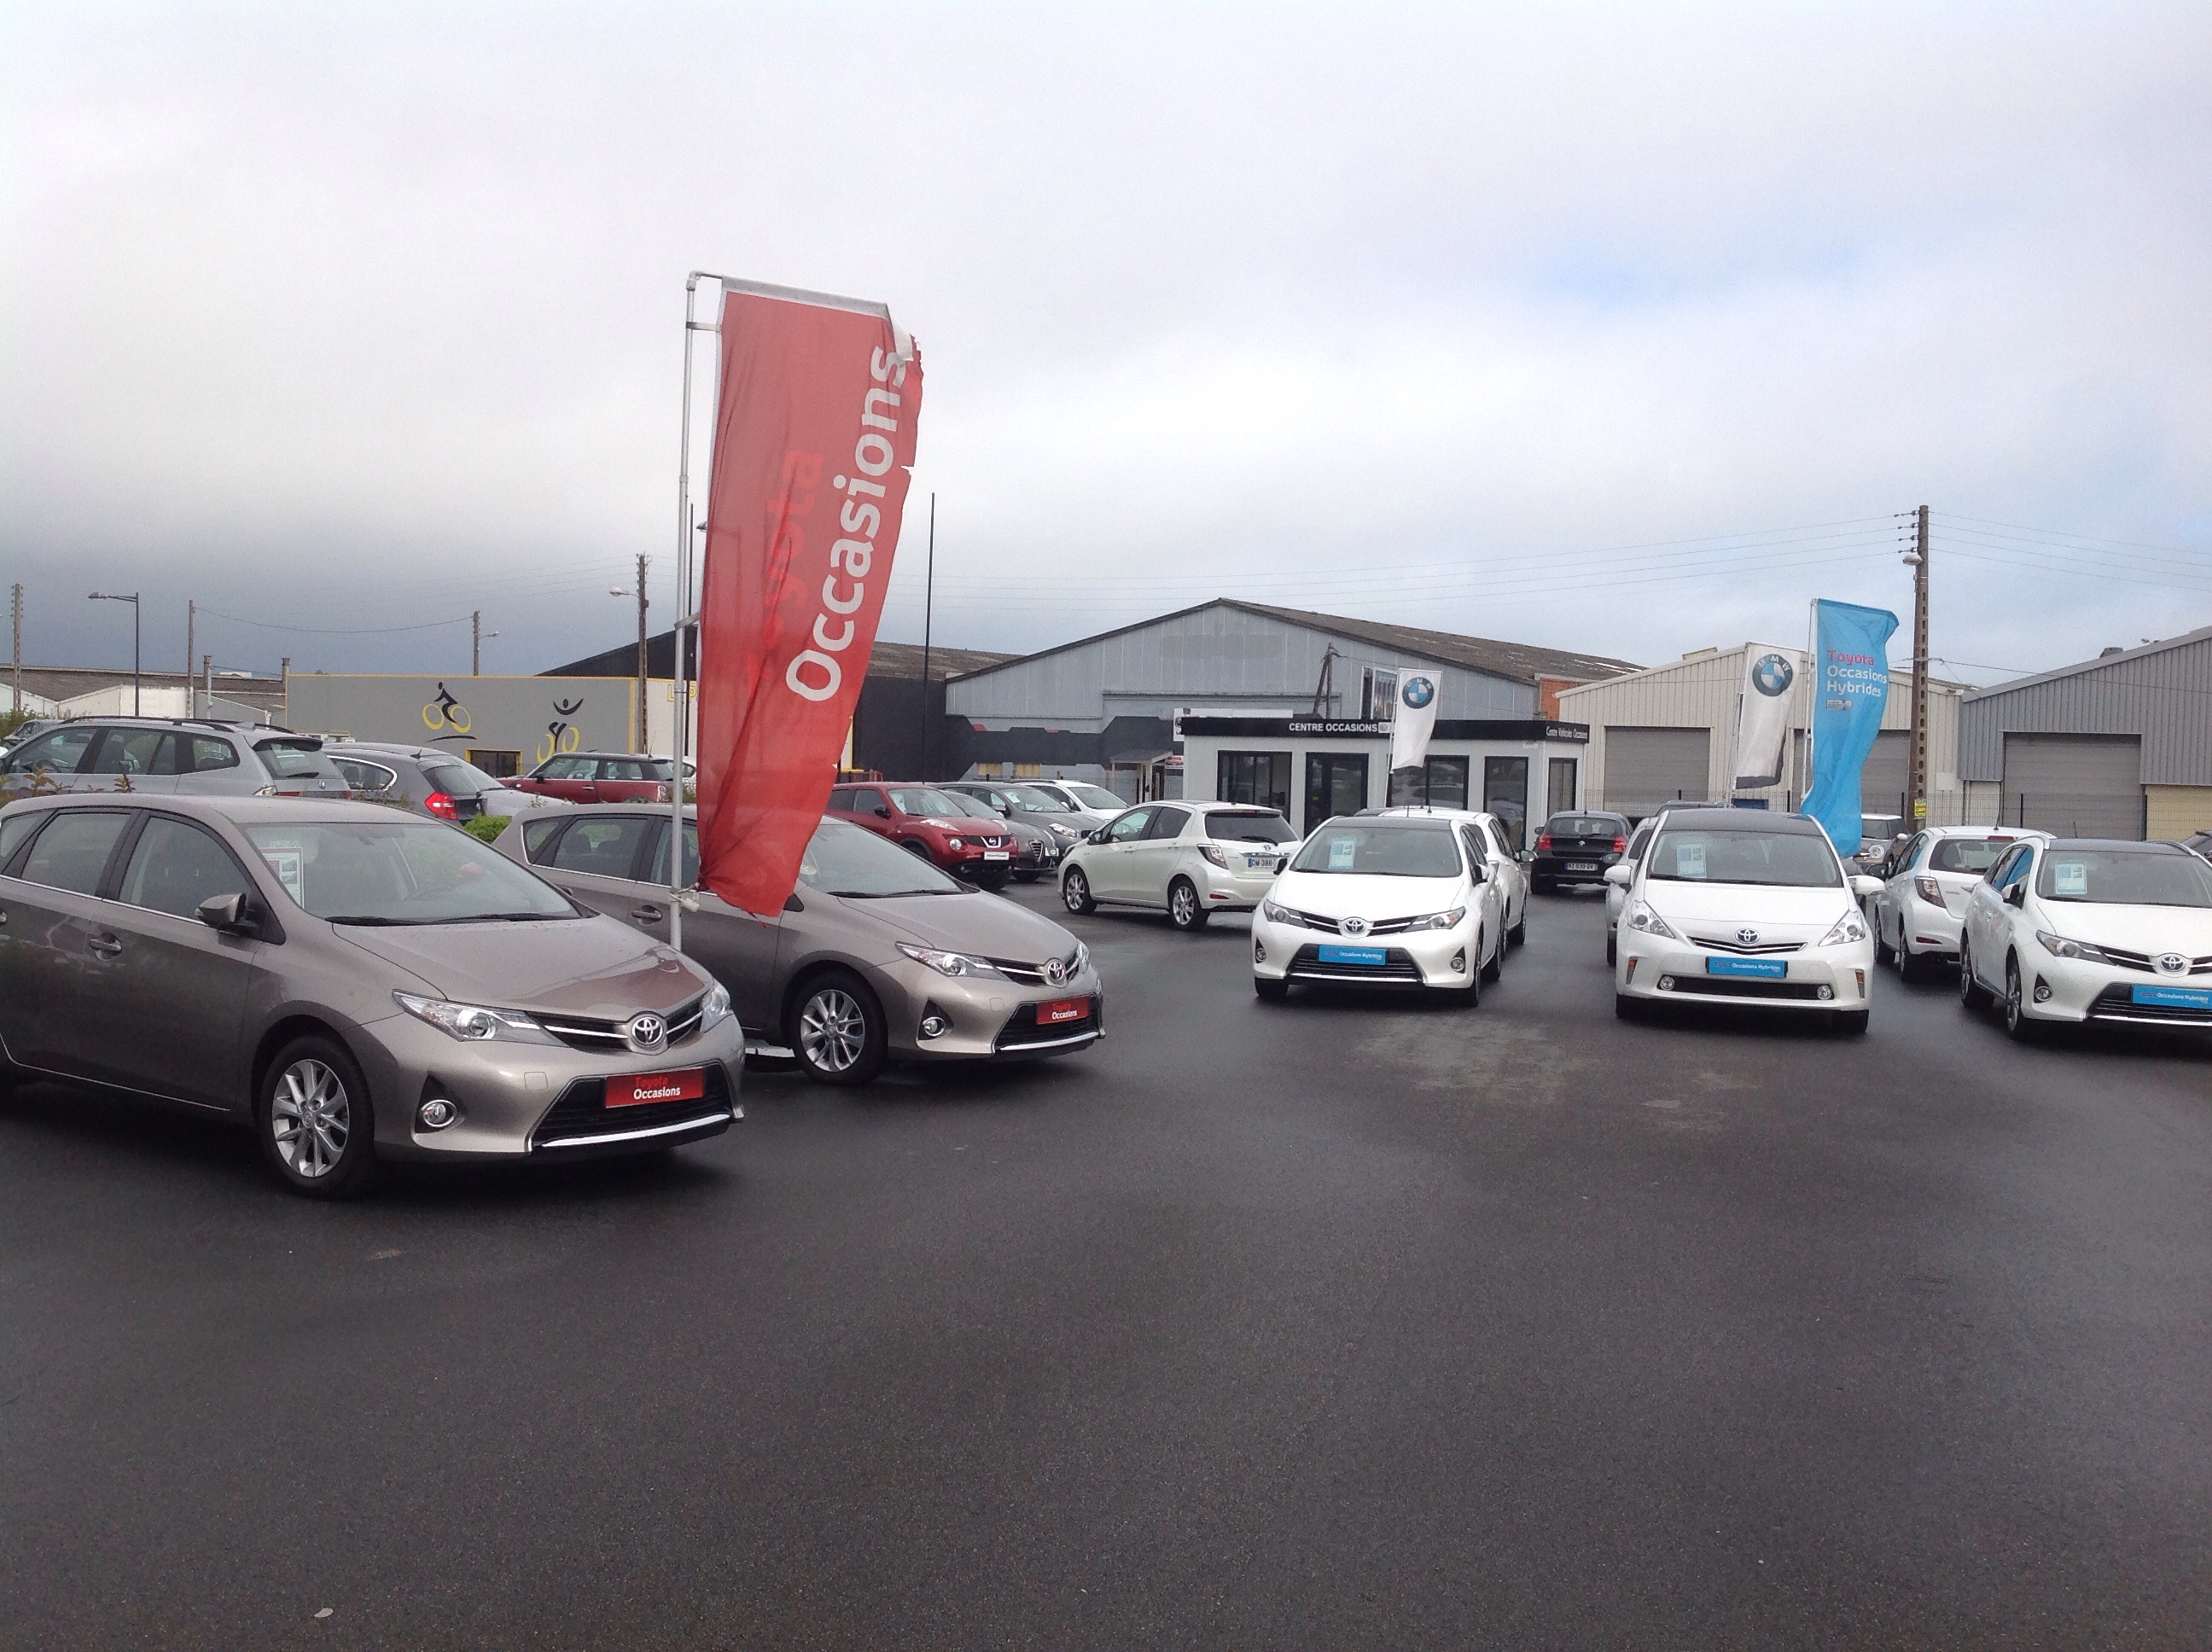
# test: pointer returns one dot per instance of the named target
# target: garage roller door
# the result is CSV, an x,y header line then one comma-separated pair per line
x,y
1647,767
1888,774
2075,785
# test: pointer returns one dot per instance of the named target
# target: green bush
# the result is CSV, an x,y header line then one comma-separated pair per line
x,y
486,827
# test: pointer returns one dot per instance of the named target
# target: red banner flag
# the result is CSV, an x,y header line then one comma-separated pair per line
x,y
813,439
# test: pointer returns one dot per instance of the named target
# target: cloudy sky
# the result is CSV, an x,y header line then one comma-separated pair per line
x,y
1619,329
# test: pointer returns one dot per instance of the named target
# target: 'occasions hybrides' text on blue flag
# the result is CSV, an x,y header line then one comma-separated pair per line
x,y
1851,687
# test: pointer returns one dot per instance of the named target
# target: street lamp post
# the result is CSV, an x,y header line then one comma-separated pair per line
x,y
108,596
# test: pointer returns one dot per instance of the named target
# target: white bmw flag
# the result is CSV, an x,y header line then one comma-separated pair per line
x,y
1763,729
1414,722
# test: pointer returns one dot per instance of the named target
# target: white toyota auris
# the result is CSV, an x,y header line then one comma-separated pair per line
x,y
2092,930
1743,907
1373,900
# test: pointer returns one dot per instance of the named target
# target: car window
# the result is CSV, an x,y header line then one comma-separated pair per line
x,y
1038,801
209,753
365,776
401,870
1636,844
1909,852
845,860
1471,839
1092,797
1168,822
1582,826
1382,852
72,853
2010,870
922,801
1249,826
135,751
566,768
459,780
1130,826
59,753
605,846
296,760
537,834
1772,859
13,828
175,866
621,768
1497,842
2138,878
866,800
1973,854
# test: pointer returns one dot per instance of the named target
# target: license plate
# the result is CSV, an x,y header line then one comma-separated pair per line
x,y
1756,969
1254,862
2173,998
1582,866
1371,956
1051,1014
642,1089
994,854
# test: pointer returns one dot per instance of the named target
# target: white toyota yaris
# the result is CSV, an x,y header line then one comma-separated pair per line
x,y
2091,929
1740,906
1371,900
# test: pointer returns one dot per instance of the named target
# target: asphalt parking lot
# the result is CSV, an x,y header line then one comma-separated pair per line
x,y
1342,1322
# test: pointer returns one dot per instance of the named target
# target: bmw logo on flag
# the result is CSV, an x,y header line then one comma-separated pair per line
x,y
1417,692
1772,675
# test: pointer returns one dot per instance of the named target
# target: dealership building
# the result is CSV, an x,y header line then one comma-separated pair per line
x,y
1245,702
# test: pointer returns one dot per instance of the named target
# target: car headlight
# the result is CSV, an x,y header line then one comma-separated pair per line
x,y
1437,919
1645,921
1849,927
2059,947
474,1023
1275,915
950,963
952,843
714,1008
1082,960
1059,830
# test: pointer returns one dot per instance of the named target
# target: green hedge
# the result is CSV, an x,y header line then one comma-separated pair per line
x,y
486,827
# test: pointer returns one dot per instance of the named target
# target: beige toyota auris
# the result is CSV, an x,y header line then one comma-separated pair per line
x,y
356,983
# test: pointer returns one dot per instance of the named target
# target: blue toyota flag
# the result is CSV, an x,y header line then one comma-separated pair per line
x,y
1851,687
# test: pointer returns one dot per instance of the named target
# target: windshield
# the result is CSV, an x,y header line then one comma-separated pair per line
x,y
298,760
1779,859
401,872
1250,826
1094,796
927,800
1973,854
846,860
2126,877
1037,801
1382,852
459,780
1583,826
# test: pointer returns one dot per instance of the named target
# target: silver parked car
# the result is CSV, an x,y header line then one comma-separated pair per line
x,y
1028,805
877,955
165,756
428,781
355,983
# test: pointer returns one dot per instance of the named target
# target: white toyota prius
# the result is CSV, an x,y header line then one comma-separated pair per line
x,y
1740,906
2091,929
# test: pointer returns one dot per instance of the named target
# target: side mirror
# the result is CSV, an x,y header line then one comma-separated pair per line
x,y
232,914
883,812
1865,887
1621,872
1478,871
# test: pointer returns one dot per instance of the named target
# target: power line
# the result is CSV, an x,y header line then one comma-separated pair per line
x,y
337,631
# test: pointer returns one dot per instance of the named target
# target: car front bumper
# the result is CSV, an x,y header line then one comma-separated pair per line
x,y
506,1093
2077,989
1428,957
1680,972
987,1017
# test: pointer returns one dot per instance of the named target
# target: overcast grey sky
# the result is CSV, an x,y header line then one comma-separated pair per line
x,y
364,316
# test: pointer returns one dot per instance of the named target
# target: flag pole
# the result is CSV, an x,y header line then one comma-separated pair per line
x,y
686,620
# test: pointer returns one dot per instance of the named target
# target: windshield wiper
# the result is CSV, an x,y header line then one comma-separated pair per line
x,y
368,922
880,893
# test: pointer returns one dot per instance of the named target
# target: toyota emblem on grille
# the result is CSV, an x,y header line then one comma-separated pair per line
x,y
1748,937
645,1034
1055,972
1355,925
2172,963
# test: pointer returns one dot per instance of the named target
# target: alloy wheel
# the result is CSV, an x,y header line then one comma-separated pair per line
x,y
1182,905
2012,1010
833,1030
1075,891
310,1119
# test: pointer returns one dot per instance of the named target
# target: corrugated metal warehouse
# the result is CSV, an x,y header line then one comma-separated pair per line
x,y
2118,746
1669,732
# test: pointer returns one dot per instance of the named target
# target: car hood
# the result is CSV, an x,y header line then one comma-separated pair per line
x,y
594,967
1695,902
1353,895
2152,930
981,924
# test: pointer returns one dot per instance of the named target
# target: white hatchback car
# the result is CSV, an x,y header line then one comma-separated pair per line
x,y
1189,861
1372,901
1744,907
2085,929
1925,889
1510,870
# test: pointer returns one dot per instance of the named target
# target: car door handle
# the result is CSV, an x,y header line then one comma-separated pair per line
x,y
647,915
106,944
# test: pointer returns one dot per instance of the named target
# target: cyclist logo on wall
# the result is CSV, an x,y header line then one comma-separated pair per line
x,y
446,712
561,735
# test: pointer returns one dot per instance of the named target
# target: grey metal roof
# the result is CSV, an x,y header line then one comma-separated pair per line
x,y
2103,662
2160,693
887,659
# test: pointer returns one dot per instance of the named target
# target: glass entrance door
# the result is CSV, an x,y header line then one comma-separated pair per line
x,y
1336,784
1505,794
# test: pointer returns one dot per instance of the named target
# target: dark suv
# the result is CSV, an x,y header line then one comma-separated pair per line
x,y
1576,849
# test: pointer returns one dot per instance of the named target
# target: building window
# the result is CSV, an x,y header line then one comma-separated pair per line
x,y
1441,784
499,765
1505,794
1262,778
1559,798
1378,696
1336,784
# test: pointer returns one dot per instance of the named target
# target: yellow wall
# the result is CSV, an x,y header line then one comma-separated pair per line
x,y
2175,811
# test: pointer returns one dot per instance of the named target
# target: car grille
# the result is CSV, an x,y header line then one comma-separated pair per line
x,y
582,1111
2114,1003
2141,961
579,1033
1734,987
1749,950
1397,966
1311,920
1029,975
1023,1029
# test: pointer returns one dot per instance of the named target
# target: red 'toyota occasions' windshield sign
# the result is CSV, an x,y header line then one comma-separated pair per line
x,y
813,439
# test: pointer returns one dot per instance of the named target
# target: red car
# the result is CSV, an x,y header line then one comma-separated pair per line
x,y
600,777
937,825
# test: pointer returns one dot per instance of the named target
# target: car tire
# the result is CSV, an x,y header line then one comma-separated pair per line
x,y
315,1120
1626,1008
2017,1026
838,1030
1496,967
1849,1024
1884,953
1184,911
1518,935
1611,951
1075,893
1270,991
1972,995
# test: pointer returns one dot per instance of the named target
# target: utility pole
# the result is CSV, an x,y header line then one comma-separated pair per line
x,y
207,676
475,642
928,603
191,619
644,678
1916,803
16,652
